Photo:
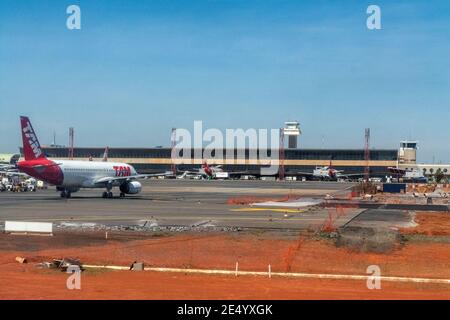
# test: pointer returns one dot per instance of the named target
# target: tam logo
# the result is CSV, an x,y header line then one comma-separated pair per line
x,y
122,171
32,140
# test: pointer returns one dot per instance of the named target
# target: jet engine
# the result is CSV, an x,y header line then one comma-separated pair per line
x,y
132,187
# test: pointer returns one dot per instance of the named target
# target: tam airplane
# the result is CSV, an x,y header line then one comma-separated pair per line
x,y
71,175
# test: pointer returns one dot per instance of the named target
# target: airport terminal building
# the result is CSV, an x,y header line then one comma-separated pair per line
x,y
150,160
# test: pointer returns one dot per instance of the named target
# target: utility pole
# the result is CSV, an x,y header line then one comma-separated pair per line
x,y
71,142
367,155
173,145
281,156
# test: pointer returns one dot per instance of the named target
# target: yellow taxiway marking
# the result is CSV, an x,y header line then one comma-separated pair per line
x,y
268,209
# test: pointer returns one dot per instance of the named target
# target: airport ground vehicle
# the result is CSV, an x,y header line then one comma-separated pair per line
x,y
41,184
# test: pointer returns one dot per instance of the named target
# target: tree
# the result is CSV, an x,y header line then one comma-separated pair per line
x,y
439,175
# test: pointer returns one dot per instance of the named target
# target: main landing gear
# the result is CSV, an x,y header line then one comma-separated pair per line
x,y
109,195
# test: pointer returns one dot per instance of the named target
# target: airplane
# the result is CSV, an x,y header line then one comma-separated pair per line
x,y
8,161
414,175
105,155
211,172
327,173
71,175
205,171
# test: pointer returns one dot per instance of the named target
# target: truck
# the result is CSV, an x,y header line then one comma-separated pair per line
x,y
222,175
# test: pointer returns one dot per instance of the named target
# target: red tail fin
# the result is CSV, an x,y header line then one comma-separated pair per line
x,y
31,147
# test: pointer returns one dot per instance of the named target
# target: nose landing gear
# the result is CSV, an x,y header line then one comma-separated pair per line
x,y
107,194
66,194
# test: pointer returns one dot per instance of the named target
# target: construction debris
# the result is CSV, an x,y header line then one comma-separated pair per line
x,y
62,264
368,196
368,239
21,260
137,266
148,227
364,188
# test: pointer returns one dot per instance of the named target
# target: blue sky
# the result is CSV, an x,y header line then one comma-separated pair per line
x,y
138,68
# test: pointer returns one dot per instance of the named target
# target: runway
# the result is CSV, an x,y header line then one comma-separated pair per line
x,y
176,203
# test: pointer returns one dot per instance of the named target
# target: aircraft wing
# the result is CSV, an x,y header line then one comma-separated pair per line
x,y
7,167
301,173
351,174
13,173
188,172
128,178
239,172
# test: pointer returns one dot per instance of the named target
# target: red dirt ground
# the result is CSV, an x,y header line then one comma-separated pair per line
x,y
253,252
430,224
25,282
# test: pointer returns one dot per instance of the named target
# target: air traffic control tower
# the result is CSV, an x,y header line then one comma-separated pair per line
x,y
407,152
292,130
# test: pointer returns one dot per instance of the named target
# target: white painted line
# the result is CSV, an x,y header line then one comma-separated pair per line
x,y
90,266
281,274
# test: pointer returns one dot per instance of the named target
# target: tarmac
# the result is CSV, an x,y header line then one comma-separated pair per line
x,y
178,203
